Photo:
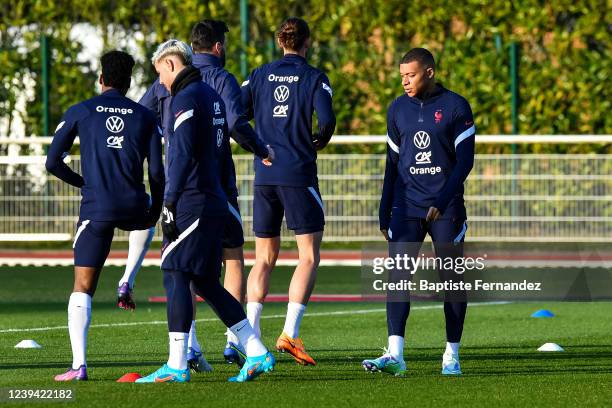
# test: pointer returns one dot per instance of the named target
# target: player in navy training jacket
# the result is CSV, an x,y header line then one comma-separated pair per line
x,y
116,136
194,213
282,97
208,39
430,152
208,43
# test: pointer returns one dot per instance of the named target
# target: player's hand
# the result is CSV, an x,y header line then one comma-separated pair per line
x,y
385,233
433,214
316,142
271,156
169,222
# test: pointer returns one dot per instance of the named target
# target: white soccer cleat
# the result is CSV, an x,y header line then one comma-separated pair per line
x,y
450,364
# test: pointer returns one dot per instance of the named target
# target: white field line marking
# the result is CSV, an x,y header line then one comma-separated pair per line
x,y
276,316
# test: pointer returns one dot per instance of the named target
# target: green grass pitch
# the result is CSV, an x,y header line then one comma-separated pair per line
x,y
498,356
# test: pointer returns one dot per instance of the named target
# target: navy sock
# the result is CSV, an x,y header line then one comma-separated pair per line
x,y
397,315
179,306
454,312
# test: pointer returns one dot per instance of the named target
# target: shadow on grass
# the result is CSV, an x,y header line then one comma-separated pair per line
x,y
64,364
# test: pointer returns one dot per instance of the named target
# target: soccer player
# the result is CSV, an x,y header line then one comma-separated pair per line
x,y
430,153
283,96
116,136
208,44
157,99
194,213
208,40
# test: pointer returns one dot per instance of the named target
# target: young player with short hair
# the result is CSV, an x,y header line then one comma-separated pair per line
x,y
282,97
430,152
194,213
116,136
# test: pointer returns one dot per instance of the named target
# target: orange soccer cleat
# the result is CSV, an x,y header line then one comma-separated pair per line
x,y
295,347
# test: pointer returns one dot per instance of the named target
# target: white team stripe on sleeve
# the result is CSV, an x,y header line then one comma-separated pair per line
x,y
62,123
327,88
392,145
182,117
467,133
245,83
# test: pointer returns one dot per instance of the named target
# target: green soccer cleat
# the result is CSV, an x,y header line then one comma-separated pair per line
x,y
385,364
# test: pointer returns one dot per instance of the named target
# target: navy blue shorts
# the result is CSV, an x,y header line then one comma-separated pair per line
x,y
406,235
444,230
302,206
198,247
233,236
93,239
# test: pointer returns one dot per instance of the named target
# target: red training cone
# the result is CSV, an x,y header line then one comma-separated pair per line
x,y
129,377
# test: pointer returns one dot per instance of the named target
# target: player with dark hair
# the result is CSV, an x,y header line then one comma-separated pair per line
x,y
116,136
282,97
194,214
430,152
208,44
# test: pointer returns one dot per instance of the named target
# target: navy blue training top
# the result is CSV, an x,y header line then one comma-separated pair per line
x,y
240,130
157,98
282,97
116,135
194,143
430,152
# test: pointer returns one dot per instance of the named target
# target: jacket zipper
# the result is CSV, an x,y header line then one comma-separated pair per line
x,y
421,113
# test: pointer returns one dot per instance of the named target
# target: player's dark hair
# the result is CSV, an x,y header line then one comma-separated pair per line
x,y
117,70
422,55
206,33
293,33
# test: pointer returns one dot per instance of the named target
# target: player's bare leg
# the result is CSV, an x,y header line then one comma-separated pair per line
x,y
79,317
304,277
300,289
258,282
234,281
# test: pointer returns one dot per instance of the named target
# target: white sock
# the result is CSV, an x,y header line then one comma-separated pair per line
x,y
79,317
452,348
253,346
295,312
139,244
192,342
254,314
231,337
396,347
177,358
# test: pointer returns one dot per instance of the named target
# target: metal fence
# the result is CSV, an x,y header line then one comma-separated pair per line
x,y
526,197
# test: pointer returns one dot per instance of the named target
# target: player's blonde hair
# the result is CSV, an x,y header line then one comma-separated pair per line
x,y
173,47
